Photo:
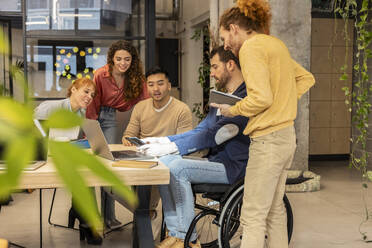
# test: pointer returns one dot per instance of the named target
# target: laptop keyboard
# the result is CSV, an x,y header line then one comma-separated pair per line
x,y
130,155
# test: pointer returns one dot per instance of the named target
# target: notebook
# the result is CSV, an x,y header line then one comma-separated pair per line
x,y
41,152
135,164
98,143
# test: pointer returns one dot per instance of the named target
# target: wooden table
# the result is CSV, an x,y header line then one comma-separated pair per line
x,y
47,177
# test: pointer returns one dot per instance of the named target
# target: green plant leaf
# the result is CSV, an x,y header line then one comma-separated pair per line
x,y
344,77
4,45
19,79
15,113
102,171
369,175
364,6
63,118
69,169
16,158
7,131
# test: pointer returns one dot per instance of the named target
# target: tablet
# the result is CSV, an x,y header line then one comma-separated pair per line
x,y
223,98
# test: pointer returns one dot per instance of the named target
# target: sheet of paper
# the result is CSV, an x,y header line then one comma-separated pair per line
x,y
71,134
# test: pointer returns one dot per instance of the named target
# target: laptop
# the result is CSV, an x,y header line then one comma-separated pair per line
x,y
41,152
98,143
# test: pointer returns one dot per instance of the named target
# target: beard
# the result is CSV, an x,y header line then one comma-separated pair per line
x,y
222,81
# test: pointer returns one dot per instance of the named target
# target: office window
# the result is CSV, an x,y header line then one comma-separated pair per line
x,y
10,6
69,39
114,17
53,65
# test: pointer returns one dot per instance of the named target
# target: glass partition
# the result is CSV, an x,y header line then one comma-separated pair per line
x,y
68,39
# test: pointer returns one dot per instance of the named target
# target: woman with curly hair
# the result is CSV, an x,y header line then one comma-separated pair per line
x,y
274,83
120,85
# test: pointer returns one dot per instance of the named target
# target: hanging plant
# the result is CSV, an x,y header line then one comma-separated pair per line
x,y
200,109
359,97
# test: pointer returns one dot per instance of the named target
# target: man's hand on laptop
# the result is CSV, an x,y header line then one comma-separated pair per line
x,y
126,142
158,150
156,140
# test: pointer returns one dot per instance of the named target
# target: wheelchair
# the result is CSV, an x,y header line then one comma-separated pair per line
x,y
216,220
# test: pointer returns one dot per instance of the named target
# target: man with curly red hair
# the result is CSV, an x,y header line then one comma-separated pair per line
x,y
274,83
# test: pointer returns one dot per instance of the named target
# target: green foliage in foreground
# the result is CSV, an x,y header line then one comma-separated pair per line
x,y
20,136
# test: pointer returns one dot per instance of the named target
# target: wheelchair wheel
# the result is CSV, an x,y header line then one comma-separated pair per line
x,y
230,231
206,227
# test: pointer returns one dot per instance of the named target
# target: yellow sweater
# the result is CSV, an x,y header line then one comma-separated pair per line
x,y
274,84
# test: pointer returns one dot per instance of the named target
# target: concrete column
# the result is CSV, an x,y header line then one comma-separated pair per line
x,y
216,8
291,22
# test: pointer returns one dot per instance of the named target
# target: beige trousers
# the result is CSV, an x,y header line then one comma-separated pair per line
x,y
263,211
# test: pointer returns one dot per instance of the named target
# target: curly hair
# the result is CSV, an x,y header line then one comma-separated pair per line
x,y
134,86
250,15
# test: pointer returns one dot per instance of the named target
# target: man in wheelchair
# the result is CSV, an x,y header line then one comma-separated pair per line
x,y
225,163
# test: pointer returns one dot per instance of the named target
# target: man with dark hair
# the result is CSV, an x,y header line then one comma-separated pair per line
x,y
220,61
225,56
160,115
225,163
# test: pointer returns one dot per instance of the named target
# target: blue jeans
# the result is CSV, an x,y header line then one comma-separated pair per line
x,y
107,121
177,197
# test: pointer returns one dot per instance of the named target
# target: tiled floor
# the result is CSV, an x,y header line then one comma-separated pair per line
x,y
331,217
324,219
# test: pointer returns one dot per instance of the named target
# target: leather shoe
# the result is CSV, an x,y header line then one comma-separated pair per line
x,y
168,242
180,244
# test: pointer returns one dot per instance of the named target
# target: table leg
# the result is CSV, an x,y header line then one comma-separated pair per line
x,y
142,231
41,217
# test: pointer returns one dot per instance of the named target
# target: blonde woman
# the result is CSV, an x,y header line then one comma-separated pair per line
x,y
79,95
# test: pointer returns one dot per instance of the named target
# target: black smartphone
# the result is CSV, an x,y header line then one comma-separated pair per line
x,y
135,141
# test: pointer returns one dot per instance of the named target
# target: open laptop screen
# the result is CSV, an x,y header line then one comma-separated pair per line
x,y
41,149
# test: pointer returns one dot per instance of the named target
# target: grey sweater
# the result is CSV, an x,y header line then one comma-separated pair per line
x,y
43,111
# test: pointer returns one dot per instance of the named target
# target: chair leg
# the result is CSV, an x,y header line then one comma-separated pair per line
x,y
103,210
51,207
15,245
163,226
51,211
